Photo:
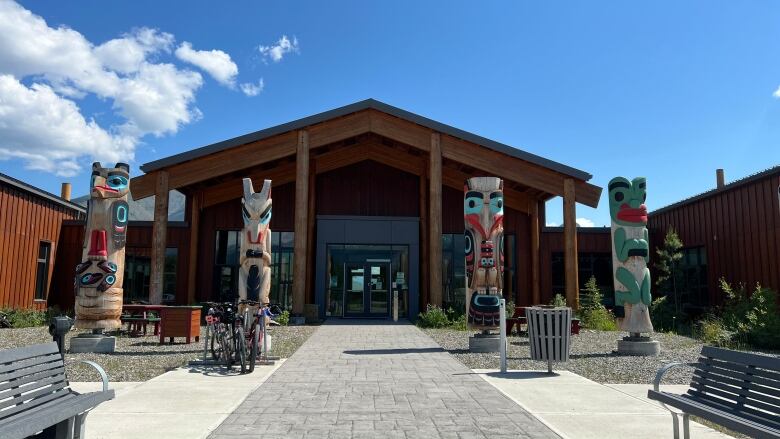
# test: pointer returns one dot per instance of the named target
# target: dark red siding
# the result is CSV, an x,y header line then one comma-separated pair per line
x,y
589,240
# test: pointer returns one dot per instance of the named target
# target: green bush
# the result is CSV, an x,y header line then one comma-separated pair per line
x,y
593,314
664,316
753,319
558,300
433,317
459,323
26,318
283,318
712,330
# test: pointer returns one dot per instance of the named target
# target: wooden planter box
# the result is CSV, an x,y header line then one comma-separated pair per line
x,y
180,321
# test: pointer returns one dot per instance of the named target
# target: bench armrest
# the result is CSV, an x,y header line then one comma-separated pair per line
x,y
660,374
97,367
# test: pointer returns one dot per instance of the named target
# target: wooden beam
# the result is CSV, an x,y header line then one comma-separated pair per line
x,y
401,130
311,220
192,270
301,222
570,244
159,231
334,130
535,266
434,221
232,189
512,198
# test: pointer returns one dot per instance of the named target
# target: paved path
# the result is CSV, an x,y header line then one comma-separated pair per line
x,y
355,379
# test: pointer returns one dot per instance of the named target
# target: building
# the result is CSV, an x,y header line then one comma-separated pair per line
x,y
730,232
30,237
367,198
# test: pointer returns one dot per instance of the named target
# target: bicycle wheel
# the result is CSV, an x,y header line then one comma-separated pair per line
x,y
241,348
216,345
253,351
227,351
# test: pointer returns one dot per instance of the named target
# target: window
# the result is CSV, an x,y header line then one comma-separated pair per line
x,y
692,277
226,263
169,275
138,267
282,268
42,270
453,269
598,265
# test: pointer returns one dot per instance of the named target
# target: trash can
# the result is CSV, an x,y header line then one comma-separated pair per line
x,y
549,333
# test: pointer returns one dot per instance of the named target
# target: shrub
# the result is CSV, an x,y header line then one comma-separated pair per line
x,y
459,323
593,314
754,319
558,300
712,330
664,315
283,318
433,317
26,318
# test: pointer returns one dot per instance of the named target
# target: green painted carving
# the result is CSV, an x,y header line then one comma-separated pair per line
x,y
631,251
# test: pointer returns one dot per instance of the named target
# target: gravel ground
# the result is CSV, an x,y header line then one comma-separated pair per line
x,y
142,358
591,356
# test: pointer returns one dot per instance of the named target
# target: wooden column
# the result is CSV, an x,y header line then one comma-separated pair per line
x,y
311,245
535,267
159,231
434,221
301,222
424,298
192,271
570,244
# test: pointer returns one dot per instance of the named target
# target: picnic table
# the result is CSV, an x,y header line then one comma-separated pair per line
x,y
137,316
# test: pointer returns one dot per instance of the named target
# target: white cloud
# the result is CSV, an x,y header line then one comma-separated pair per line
x,y
276,51
552,224
251,89
776,93
49,132
215,62
585,222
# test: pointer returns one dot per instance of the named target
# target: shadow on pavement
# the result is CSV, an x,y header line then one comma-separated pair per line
x,y
394,351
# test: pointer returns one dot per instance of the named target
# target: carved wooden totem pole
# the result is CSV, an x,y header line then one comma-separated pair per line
x,y
631,252
483,212
254,278
99,276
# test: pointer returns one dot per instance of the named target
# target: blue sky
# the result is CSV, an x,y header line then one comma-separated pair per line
x,y
667,90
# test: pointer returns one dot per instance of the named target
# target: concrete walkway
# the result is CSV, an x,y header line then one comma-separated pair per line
x,y
188,402
577,407
355,379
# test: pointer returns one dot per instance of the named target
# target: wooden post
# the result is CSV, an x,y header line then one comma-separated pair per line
x,y
570,244
535,267
434,221
194,233
301,222
310,246
159,231
424,298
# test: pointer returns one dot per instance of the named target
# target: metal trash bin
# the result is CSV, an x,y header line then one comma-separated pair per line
x,y
549,333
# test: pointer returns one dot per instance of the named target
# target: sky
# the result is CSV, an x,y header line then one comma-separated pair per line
x,y
668,90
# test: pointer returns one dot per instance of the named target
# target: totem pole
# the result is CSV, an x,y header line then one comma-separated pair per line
x,y
630,253
254,278
99,276
483,210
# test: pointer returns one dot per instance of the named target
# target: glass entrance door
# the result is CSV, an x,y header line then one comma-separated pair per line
x,y
367,289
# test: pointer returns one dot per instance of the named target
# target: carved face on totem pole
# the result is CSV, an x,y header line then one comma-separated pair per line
x,y
255,244
99,276
631,252
483,212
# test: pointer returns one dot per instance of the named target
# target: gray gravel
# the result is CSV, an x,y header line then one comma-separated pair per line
x,y
591,356
142,358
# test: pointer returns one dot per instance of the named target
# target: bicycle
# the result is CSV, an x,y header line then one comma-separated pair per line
x,y
220,321
252,327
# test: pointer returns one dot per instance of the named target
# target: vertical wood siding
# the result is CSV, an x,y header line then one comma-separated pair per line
x,y
739,229
25,220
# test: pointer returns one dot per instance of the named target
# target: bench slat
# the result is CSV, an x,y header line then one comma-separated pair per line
x,y
23,353
756,383
50,413
738,402
737,394
10,369
41,398
686,404
744,411
741,368
729,356
32,382
9,377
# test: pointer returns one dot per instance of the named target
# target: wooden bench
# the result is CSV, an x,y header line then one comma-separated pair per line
x,y
738,390
35,395
136,324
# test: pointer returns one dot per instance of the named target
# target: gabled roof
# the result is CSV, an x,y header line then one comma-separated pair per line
x,y
734,184
18,184
353,108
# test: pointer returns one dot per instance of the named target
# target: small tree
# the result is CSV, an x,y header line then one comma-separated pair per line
x,y
666,265
593,313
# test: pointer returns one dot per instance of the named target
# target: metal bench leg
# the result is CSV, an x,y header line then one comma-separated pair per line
x,y
686,426
64,430
78,426
676,425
